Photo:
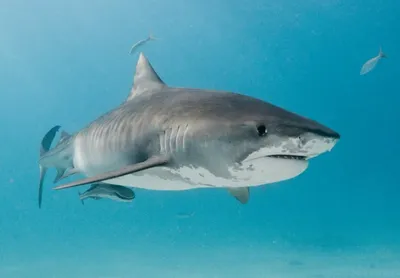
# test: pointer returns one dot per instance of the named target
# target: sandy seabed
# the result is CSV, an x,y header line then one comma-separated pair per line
x,y
223,262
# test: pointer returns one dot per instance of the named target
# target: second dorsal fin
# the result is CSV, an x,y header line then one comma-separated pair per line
x,y
64,135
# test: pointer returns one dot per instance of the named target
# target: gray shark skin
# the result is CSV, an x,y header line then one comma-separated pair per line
x,y
167,138
109,191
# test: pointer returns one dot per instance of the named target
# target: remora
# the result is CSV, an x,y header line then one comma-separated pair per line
x,y
168,138
114,192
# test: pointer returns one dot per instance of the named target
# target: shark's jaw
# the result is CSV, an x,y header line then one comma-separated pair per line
x,y
269,169
285,159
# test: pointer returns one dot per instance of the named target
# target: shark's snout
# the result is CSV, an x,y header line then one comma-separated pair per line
x,y
307,135
323,131
314,144
318,138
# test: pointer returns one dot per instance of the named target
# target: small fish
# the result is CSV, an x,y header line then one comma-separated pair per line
x,y
114,192
371,63
141,42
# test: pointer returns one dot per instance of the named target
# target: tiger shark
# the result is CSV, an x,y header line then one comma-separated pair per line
x,y
172,138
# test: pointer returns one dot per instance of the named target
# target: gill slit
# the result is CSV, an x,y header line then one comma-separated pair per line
x,y
170,141
184,137
165,141
177,136
173,140
161,137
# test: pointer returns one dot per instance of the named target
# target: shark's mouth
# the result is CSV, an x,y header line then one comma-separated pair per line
x,y
296,157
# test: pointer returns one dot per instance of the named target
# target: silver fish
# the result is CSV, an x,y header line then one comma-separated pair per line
x,y
141,42
371,63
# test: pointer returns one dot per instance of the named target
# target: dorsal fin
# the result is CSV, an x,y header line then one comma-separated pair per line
x,y
63,136
145,79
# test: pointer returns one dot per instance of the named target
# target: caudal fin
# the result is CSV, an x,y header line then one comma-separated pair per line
x,y
44,148
381,53
152,38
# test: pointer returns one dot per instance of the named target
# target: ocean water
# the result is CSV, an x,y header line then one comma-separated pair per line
x,y
67,62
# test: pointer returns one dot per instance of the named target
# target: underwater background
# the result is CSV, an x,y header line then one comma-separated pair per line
x,y
68,62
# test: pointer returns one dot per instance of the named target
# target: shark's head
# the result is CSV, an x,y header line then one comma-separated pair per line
x,y
258,142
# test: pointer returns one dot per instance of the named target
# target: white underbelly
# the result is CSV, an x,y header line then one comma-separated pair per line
x,y
152,182
255,173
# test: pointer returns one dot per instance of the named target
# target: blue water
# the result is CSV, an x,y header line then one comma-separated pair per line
x,y
67,62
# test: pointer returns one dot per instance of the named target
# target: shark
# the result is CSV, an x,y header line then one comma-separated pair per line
x,y
163,137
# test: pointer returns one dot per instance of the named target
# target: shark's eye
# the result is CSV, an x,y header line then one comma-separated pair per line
x,y
262,130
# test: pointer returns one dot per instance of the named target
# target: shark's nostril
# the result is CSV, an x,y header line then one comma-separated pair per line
x,y
302,141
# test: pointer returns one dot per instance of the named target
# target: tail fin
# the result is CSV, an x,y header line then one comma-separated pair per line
x,y
381,54
44,148
152,38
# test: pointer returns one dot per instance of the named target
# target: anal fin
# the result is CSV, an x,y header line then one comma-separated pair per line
x,y
149,163
242,194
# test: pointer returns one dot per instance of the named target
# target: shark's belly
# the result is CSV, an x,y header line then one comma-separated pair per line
x,y
259,172
153,182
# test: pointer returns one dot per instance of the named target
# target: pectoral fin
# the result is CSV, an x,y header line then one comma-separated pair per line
x,y
242,194
151,162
